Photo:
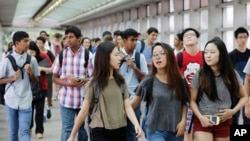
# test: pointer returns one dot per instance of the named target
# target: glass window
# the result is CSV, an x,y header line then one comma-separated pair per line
x,y
171,40
204,19
159,23
227,0
148,23
186,4
228,16
148,11
204,3
248,14
186,20
121,26
228,37
128,24
158,8
171,6
203,40
171,23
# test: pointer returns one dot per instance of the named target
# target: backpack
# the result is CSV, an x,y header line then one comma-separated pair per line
x,y
137,60
96,92
149,89
142,46
86,58
15,67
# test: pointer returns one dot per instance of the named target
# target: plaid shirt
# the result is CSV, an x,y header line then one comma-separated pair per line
x,y
72,64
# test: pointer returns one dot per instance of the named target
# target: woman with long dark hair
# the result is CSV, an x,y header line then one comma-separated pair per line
x,y
109,119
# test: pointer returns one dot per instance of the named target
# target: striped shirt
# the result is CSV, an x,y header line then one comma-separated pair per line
x,y
72,64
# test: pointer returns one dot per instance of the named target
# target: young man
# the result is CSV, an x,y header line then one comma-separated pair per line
x,y
191,62
131,72
71,74
239,57
18,96
145,46
178,43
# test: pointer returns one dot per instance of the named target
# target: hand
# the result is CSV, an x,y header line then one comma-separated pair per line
x,y
28,68
247,111
130,63
72,78
205,122
225,114
16,75
70,139
138,131
180,128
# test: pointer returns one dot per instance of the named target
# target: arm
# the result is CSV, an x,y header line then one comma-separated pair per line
x,y
205,122
80,119
137,71
181,125
73,83
247,88
10,79
45,69
32,76
136,101
131,115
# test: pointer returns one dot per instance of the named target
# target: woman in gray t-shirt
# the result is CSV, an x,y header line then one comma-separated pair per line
x,y
213,90
166,115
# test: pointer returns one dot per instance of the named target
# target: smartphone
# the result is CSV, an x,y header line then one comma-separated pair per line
x,y
215,119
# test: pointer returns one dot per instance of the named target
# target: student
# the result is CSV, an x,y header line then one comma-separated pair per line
x,y
71,75
178,43
132,73
18,97
246,112
217,86
239,57
40,41
145,46
166,115
109,120
191,62
38,103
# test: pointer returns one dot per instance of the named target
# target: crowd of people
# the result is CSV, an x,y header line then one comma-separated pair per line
x,y
103,82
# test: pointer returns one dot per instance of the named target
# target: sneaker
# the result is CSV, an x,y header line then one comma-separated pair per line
x,y
39,135
48,113
44,118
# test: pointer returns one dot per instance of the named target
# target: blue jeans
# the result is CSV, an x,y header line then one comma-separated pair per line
x,y
68,116
163,136
131,135
19,119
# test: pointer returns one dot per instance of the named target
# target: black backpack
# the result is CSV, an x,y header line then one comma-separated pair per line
x,y
142,45
15,67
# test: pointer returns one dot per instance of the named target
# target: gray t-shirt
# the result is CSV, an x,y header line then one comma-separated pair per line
x,y
247,67
208,107
165,110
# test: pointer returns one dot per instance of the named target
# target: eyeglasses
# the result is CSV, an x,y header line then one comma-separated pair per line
x,y
159,55
189,35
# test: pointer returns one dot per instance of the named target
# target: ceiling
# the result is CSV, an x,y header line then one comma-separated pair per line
x,y
19,13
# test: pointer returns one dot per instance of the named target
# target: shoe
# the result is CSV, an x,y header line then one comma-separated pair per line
x,y
48,113
44,118
39,135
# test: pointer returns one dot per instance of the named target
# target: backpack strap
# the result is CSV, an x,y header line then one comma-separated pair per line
x,y
179,57
142,45
61,58
86,57
13,62
137,60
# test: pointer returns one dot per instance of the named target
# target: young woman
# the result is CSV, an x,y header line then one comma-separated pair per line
x,y
212,89
166,108
109,120
86,43
44,64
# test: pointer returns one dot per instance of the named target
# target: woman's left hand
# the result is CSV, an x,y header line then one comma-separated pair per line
x,y
225,114
180,128
138,131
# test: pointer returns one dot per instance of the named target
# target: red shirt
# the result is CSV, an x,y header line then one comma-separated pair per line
x,y
43,78
190,65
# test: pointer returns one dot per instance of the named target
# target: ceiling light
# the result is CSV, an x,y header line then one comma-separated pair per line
x,y
53,5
